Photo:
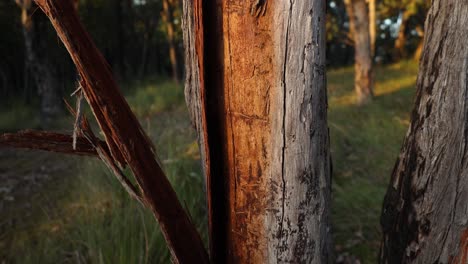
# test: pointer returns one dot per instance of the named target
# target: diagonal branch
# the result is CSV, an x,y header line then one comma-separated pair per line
x,y
124,135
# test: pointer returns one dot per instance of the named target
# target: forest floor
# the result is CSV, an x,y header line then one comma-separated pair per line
x,y
61,209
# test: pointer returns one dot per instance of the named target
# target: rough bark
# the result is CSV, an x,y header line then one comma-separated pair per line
x,y
425,211
168,19
124,135
37,64
256,91
363,71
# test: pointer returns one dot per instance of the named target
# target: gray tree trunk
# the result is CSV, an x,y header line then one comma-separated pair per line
x,y
42,72
255,87
425,212
359,26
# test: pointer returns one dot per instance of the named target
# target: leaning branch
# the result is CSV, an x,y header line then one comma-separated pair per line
x,y
124,135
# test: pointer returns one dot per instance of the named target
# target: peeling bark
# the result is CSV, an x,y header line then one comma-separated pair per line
x,y
425,211
256,91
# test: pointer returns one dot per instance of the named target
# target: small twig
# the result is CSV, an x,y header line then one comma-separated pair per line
x,y
124,181
77,126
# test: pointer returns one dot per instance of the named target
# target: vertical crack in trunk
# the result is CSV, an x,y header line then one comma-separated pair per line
x,y
281,236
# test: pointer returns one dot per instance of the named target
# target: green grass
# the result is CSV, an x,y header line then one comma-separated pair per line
x,y
17,115
365,142
88,218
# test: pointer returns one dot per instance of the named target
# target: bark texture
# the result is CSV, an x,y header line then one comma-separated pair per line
x,y
124,135
425,212
256,91
359,26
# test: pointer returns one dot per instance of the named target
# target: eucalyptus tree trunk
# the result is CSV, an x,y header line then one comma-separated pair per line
x,y
425,212
256,91
359,27
38,65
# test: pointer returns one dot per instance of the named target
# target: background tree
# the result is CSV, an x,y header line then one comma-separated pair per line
x,y
37,62
358,14
424,218
258,100
372,25
168,17
410,18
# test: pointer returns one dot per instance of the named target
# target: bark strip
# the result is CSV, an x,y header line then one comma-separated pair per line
x,y
124,135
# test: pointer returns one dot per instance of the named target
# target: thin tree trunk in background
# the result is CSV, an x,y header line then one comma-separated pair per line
x,y
120,60
419,49
359,26
372,25
124,135
425,211
256,91
43,73
168,20
399,48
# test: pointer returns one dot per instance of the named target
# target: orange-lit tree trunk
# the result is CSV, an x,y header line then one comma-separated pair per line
x,y
425,212
359,27
372,25
256,91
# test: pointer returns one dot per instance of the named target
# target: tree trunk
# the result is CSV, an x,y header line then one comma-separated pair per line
x,y
399,48
372,25
359,26
43,73
419,49
256,91
425,212
168,19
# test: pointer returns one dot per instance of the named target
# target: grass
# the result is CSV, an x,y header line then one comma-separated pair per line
x,y
88,218
365,142
17,115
